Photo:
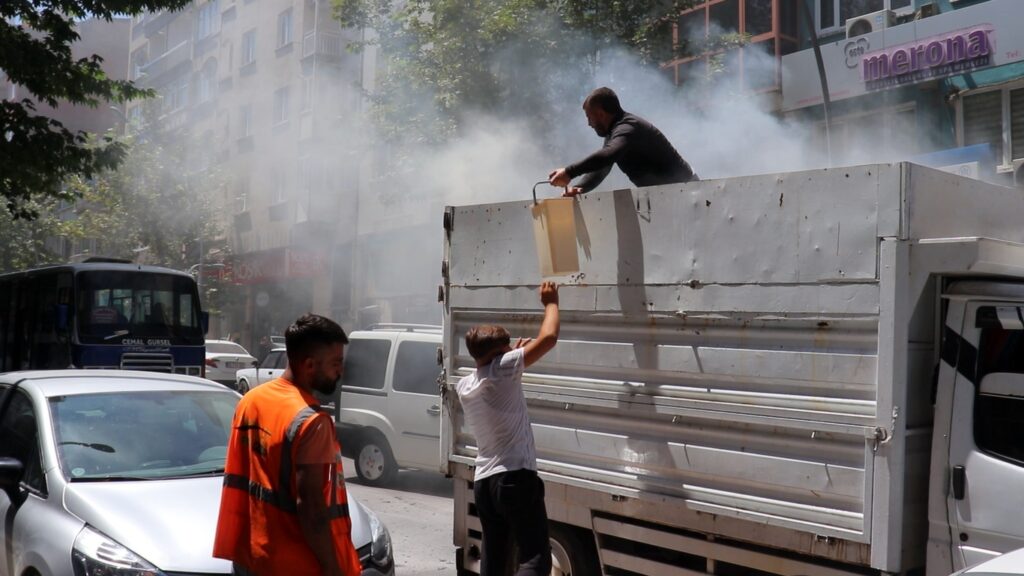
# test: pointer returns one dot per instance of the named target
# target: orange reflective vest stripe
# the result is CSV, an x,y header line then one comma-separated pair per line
x,y
258,526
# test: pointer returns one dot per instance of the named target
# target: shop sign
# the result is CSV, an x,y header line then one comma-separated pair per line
x,y
983,36
276,265
957,52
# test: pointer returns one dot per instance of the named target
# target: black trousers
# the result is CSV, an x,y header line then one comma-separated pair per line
x,y
511,510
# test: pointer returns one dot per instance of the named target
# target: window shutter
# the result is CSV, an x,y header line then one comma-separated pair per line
x,y
983,121
1017,122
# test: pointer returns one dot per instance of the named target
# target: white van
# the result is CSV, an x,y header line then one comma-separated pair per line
x,y
388,406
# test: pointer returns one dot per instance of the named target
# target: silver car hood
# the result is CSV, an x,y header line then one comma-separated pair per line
x,y
170,523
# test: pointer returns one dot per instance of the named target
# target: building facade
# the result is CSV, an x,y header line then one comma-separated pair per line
x,y
940,82
109,41
770,31
268,94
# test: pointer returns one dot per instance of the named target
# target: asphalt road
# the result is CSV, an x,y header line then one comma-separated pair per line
x,y
417,510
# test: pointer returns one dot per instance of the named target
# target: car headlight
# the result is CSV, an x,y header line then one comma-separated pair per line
x,y
96,555
380,548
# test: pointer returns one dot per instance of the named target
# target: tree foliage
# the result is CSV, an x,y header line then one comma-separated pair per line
x,y
447,59
155,205
37,154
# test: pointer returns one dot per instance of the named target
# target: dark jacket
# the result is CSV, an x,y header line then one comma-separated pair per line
x,y
641,151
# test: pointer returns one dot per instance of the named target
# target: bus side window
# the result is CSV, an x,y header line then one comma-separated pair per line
x,y
6,314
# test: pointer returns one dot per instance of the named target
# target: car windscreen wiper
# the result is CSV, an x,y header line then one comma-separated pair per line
x,y
210,472
95,446
118,333
112,478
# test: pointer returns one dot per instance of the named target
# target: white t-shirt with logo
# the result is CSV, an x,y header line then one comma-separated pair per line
x,y
492,400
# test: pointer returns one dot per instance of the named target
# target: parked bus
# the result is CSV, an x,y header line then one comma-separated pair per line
x,y
101,314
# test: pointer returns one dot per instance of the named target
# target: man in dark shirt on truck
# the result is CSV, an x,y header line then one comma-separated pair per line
x,y
641,151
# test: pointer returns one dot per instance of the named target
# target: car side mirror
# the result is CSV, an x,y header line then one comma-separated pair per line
x,y
11,471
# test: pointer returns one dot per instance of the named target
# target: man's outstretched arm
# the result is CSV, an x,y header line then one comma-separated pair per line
x,y
546,339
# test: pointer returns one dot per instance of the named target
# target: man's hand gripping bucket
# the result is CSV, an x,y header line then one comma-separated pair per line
x,y
554,231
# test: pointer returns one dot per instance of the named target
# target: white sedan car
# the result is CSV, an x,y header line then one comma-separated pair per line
x,y
120,473
1009,564
223,359
273,366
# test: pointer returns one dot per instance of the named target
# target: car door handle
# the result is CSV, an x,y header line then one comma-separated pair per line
x,y
959,482
434,410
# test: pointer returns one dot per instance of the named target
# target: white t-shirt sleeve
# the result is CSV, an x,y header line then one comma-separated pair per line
x,y
511,364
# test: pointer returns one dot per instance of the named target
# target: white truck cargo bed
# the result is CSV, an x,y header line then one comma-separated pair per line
x,y
738,357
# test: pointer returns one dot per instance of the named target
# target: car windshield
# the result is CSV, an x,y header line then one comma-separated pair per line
x,y
142,435
225,348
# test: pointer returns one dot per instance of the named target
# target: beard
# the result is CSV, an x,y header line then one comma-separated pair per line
x,y
600,131
325,385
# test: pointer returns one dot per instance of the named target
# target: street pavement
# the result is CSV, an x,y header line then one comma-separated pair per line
x,y
417,510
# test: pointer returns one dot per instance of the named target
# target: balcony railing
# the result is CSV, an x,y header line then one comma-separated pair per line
x,y
322,43
166,62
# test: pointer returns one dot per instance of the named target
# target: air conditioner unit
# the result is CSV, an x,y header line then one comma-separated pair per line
x,y
868,23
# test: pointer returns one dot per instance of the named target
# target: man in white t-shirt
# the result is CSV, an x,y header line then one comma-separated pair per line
x,y
509,494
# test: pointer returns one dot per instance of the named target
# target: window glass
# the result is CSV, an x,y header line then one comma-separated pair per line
x,y
416,368
999,420
691,25
853,8
826,14
208,20
282,361
249,47
759,16
280,105
224,348
150,434
759,65
284,28
983,121
902,127
20,435
692,71
725,15
999,426
270,361
789,19
114,305
366,362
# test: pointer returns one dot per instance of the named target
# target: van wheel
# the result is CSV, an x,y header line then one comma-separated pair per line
x,y
375,466
571,553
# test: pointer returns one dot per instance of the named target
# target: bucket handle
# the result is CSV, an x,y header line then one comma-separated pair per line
x,y
535,190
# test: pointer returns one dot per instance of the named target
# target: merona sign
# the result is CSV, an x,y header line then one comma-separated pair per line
x,y
931,58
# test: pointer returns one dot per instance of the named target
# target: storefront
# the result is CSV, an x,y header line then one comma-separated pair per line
x,y
275,287
951,80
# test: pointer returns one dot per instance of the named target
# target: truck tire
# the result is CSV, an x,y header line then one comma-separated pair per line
x,y
572,551
243,386
375,465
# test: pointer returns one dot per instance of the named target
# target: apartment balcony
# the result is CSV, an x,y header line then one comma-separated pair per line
x,y
152,22
153,72
327,44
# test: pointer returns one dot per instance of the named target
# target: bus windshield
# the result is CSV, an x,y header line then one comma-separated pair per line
x,y
116,307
